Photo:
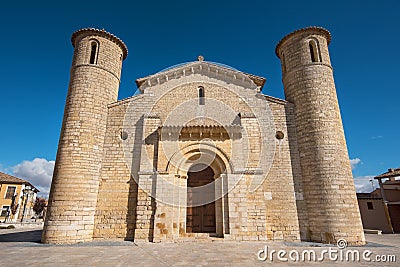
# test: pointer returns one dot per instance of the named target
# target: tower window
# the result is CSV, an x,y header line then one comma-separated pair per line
x,y
93,53
201,95
314,51
283,63
370,205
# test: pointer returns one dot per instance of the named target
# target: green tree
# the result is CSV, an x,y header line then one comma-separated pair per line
x,y
40,204
14,205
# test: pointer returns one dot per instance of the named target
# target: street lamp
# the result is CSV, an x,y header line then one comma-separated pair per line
x,y
26,192
372,184
12,208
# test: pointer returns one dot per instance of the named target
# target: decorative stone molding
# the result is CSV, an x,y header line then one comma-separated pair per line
x,y
318,30
103,33
247,171
206,68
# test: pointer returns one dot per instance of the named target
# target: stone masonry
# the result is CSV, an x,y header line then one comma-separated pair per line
x,y
74,188
324,160
278,169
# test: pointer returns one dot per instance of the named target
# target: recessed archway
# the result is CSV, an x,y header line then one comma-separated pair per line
x,y
198,157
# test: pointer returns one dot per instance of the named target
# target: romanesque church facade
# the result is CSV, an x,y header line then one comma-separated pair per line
x,y
201,152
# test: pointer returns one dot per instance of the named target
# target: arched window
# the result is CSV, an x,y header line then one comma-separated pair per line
x,y
314,51
93,53
201,95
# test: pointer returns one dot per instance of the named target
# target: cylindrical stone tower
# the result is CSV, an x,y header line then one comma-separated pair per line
x,y
326,172
94,82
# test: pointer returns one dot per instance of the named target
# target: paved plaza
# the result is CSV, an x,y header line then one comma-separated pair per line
x,y
21,247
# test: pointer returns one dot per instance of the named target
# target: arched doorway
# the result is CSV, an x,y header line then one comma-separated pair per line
x,y
200,215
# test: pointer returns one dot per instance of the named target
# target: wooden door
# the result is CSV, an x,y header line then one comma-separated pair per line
x,y
394,212
200,219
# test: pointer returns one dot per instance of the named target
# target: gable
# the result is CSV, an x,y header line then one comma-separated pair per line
x,y
206,70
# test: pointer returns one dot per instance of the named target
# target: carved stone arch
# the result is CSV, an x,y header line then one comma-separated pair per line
x,y
315,49
215,157
214,211
92,42
215,163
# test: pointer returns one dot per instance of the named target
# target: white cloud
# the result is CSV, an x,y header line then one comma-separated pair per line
x,y
354,163
363,184
38,172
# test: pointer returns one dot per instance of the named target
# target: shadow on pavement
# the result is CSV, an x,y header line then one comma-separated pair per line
x,y
26,236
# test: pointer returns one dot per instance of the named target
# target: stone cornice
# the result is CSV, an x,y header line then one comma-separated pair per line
x,y
96,66
248,171
311,29
204,67
102,33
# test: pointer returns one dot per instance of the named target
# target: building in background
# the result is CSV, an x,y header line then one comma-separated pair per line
x,y
16,199
390,193
380,209
372,210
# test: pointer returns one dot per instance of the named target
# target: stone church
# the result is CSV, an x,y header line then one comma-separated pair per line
x,y
200,152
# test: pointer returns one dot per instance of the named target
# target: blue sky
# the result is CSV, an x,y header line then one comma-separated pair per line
x,y
37,55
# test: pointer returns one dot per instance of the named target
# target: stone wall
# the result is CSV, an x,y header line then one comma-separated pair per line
x,y
261,203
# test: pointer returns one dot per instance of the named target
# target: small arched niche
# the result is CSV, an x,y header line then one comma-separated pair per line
x,y
94,51
283,63
315,52
201,95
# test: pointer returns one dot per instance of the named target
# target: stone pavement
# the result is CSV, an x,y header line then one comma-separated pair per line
x,y
21,247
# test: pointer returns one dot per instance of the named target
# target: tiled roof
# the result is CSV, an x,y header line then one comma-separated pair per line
x,y
6,178
389,173
202,122
177,127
